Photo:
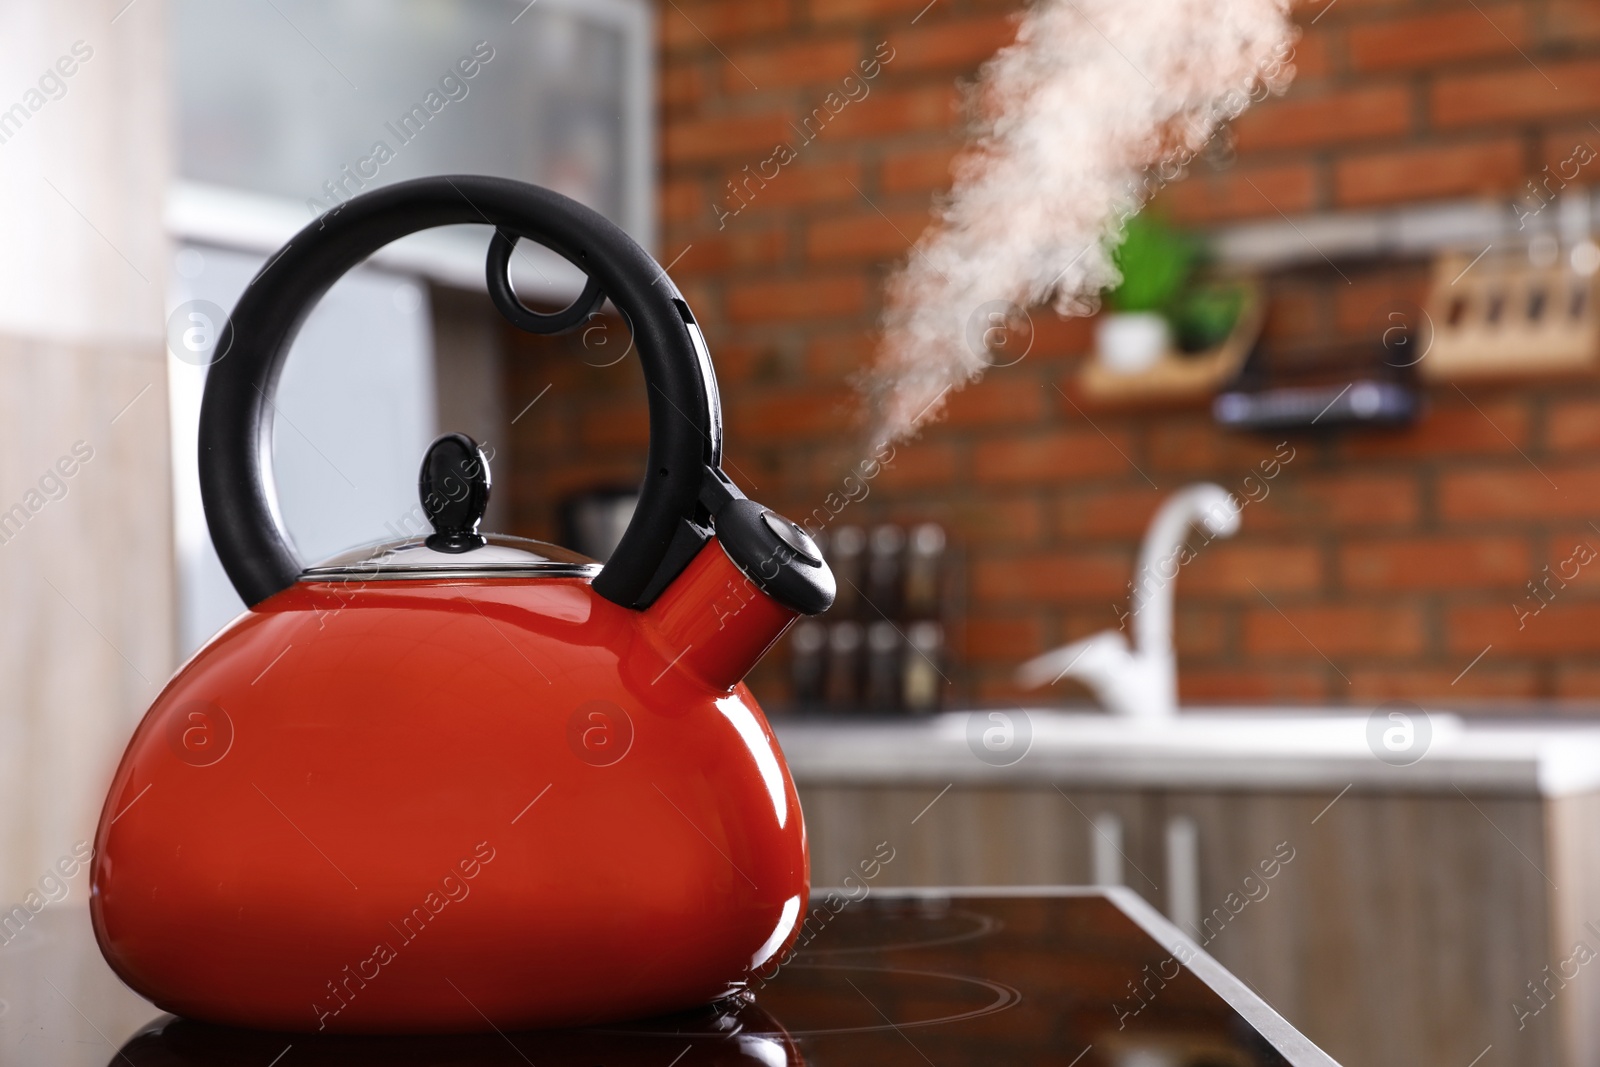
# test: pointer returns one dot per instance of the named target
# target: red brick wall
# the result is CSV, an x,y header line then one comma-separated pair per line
x,y
1379,565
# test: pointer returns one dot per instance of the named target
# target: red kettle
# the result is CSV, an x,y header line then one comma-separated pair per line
x,y
462,781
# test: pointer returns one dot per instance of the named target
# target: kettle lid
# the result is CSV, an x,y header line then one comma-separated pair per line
x,y
411,557
454,488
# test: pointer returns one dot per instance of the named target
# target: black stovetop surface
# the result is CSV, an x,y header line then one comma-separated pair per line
x,y
929,978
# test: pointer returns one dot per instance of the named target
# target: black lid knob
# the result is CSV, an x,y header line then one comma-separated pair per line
x,y
454,486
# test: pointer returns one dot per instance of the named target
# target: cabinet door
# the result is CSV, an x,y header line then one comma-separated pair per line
x,y
954,834
1393,929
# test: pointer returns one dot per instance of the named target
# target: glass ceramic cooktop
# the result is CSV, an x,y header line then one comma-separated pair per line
x,y
932,978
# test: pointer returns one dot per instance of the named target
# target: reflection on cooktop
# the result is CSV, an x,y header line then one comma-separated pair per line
x,y
951,978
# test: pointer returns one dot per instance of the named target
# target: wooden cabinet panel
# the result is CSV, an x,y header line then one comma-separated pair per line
x,y
1402,931
976,836
1572,832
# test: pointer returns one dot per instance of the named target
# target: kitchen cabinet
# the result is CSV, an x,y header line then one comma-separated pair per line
x,y
1396,915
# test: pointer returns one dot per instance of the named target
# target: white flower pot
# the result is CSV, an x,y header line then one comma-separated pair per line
x,y
1131,341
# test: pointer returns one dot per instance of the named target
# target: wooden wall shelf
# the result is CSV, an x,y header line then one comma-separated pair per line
x,y
1177,377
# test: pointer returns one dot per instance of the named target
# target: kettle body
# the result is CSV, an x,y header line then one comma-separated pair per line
x,y
465,783
503,787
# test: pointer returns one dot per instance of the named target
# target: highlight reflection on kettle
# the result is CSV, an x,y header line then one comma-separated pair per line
x,y
465,781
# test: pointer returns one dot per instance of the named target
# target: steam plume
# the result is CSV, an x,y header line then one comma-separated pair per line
x,y
1094,106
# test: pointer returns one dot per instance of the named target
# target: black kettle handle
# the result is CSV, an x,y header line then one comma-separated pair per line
x,y
684,481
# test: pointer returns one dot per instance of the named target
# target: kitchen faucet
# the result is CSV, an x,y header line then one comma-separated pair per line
x,y
1141,683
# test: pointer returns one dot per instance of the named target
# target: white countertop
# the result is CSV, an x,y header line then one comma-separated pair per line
x,y
1210,748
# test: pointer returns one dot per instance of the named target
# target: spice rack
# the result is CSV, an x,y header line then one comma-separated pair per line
x,y
1503,316
881,648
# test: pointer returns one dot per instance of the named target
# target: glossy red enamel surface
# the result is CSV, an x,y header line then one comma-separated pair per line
x,y
411,806
715,622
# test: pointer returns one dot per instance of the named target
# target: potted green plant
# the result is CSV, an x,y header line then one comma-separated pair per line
x,y
1204,316
1155,262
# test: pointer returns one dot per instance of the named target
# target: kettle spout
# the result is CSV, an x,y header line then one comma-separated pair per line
x,y
740,591
716,619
